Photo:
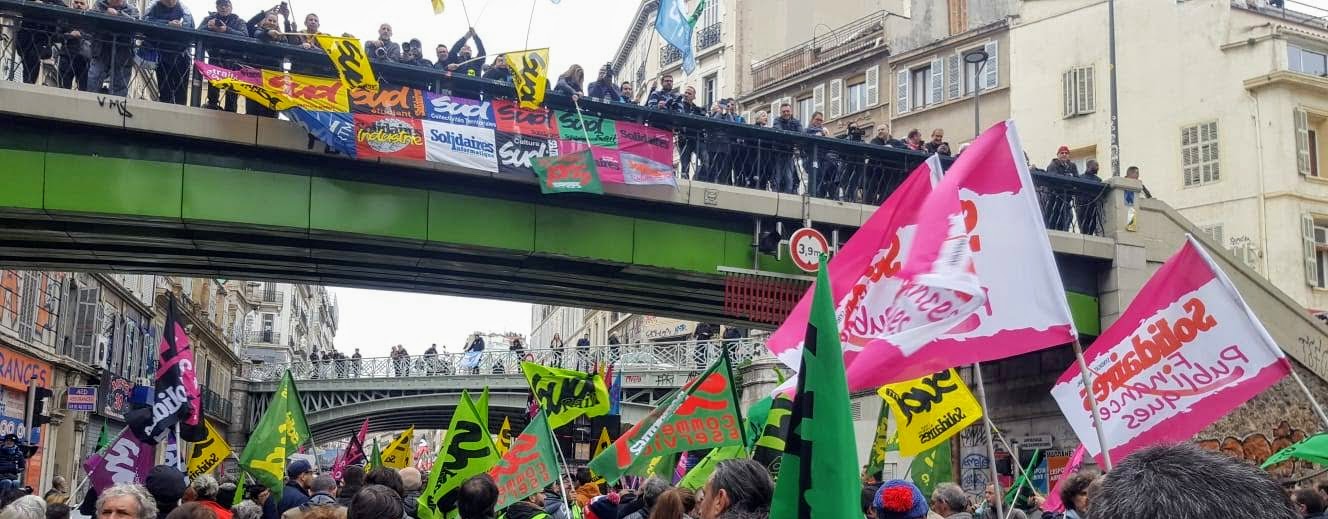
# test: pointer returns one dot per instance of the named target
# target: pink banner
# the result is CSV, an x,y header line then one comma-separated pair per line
x,y
213,73
1185,353
643,141
125,461
353,453
1054,503
985,214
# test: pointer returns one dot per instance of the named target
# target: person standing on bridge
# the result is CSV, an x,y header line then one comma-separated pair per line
x,y
557,346
583,352
115,55
474,351
615,347
431,360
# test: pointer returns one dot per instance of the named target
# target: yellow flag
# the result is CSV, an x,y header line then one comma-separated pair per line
x,y
930,410
397,453
530,76
437,6
351,62
600,446
205,456
309,92
504,437
269,98
565,394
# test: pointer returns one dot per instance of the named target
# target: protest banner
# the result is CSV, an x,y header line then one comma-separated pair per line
x,y
929,410
565,394
348,57
530,76
387,136
207,455
569,173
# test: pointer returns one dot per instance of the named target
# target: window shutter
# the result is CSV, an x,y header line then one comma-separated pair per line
x,y
1087,101
952,77
818,99
991,75
936,82
1311,259
1067,91
1302,141
901,90
774,112
873,85
836,99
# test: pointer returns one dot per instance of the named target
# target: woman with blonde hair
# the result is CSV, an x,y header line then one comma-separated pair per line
x,y
570,82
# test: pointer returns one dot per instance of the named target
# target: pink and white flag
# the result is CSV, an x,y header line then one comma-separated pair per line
x,y
1054,503
127,460
1187,351
948,276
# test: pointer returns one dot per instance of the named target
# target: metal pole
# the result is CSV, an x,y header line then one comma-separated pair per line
x,y
1092,403
1115,120
1317,410
977,92
991,446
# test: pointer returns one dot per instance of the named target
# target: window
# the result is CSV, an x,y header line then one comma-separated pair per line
x,y
28,311
1307,61
806,107
1309,126
991,71
856,99
1213,231
1198,150
1078,91
919,81
87,322
709,87
958,16
1314,233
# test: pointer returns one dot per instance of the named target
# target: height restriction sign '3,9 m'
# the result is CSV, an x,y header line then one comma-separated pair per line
x,y
806,246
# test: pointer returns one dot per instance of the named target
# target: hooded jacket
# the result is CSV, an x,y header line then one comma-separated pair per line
x,y
12,460
553,504
524,510
293,496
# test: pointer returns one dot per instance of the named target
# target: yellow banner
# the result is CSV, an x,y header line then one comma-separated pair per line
x,y
309,92
530,76
504,437
437,6
565,394
397,453
601,445
269,98
205,456
930,410
351,62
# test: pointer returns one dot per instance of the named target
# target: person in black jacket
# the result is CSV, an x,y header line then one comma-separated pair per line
x,y
785,178
1056,212
663,97
114,55
498,71
603,88
689,143
173,63
460,60
75,53
383,48
222,21
299,475
12,462
441,53
583,352
570,82
33,43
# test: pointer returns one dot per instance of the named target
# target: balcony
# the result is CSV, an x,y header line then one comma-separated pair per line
x,y
863,34
267,295
708,36
264,337
216,406
669,55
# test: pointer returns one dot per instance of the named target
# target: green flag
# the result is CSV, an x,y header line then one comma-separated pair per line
x,y
570,173
279,432
467,451
876,456
696,13
818,476
375,458
757,414
703,414
482,406
931,468
528,466
1011,494
768,449
239,489
696,478
103,438
1313,449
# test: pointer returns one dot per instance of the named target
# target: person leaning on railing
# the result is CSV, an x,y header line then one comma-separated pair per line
x,y
75,52
223,21
114,53
33,43
173,63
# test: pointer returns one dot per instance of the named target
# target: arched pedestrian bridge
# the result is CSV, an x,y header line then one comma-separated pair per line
x,y
422,390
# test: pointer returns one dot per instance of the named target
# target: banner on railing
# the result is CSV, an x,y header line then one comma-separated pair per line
x,y
351,62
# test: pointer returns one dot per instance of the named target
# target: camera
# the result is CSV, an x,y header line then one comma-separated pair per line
x,y
380,51
856,132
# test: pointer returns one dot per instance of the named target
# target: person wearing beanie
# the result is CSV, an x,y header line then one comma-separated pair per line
x,y
603,507
299,475
166,485
899,499
1061,165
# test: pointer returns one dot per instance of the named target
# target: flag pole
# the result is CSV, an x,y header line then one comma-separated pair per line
x,y
530,22
991,445
1092,403
558,450
1300,382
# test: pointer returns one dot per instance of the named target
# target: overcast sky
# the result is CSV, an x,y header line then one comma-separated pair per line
x,y
584,32
376,320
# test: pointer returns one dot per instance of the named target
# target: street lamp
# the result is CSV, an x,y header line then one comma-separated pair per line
x,y
977,57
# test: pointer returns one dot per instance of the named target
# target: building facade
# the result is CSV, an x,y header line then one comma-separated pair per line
x,y
285,321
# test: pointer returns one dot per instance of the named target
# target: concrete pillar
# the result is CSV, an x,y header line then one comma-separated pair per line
x,y
237,432
1118,286
759,379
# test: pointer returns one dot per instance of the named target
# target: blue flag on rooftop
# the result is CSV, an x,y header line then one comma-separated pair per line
x,y
671,22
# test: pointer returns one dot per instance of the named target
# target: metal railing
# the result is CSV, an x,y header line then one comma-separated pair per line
x,y
265,295
858,35
708,36
630,358
708,149
668,55
264,336
216,405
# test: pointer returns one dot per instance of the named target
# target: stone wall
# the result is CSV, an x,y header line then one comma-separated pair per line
x,y
1277,418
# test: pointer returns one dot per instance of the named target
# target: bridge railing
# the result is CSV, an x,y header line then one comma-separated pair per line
x,y
147,60
634,358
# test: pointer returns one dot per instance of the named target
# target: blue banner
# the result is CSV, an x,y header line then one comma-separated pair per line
x,y
671,22
336,129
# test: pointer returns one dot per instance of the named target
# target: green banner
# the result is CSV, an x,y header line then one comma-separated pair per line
x,y
770,446
932,468
696,478
467,451
702,415
573,126
527,467
880,442
565,394
279,432
571,173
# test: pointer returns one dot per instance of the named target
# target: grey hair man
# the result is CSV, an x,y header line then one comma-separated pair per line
x,y
1186,481
650,492
26,507
126,502
949,500
205,487
412,481
246,510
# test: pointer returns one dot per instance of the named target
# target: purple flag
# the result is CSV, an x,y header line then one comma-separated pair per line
x,y
353,454
127,460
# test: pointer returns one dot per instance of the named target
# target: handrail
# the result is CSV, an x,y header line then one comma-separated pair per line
x,y
685,356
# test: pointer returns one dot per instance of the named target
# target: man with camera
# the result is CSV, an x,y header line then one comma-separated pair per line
x,y
13,461
383,48
412,53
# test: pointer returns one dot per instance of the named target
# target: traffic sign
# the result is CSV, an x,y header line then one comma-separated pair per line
x,y
806,247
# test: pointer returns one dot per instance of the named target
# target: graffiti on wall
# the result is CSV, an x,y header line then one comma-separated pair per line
x,y
1257,447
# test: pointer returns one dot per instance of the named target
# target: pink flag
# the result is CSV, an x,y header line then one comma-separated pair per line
x,y
947,276
127,460
353,453
1054,503
1186,352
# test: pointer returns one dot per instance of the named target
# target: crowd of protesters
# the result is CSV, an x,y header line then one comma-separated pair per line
x,y
103,63
1161,481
